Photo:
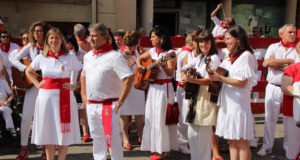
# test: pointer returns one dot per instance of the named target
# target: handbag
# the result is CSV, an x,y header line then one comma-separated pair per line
x,y
172,112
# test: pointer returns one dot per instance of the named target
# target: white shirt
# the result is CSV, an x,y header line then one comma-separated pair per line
x,y
200,64
278,51
8,64
29,51
218,30
104,74
180,58
4,90
161,74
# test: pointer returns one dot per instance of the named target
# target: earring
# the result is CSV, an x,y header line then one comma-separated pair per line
x,y
161,41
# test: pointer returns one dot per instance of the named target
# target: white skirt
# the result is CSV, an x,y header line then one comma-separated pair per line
x,y
157,136
134,103
46,123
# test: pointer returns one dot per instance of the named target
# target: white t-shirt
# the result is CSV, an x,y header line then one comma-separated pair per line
x,y
103,74
8,64
278,51
4,90
200,64
180,58
218,30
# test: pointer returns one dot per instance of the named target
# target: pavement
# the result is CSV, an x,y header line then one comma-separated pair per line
x,y
9,150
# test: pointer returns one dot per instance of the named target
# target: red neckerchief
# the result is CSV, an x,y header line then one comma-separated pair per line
x,y
106,48
289,44
21,48
123,49
233,58
185,48
223,26
5,48
39,47
81,40
51,54
158,52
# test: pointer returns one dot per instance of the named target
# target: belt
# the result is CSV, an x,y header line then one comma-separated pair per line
x,y
103,101
179,84
277,85
162,81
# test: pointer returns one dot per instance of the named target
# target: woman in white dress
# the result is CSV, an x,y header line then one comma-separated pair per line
x,y
157,136
135,102
200,128
56,115
235,120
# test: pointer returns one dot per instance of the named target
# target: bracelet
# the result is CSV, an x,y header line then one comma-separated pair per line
x,y
120,101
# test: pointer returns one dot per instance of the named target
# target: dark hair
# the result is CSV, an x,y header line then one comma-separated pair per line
x,y
163,33
119,33
45,27
196,33
5,32
132,38
239,33
73,41
113,42
232,23
206,35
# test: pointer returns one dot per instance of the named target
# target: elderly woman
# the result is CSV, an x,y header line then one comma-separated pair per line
x,y
56,115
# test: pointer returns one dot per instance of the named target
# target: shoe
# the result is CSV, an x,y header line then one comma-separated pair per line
x,y
127,146
86,138
217,158
253,143
23,155
158,156
43,155
139,141
263,152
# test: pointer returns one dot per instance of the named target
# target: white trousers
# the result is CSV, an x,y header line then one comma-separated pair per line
x,y
27,114
200,141
6,112
182,127
293,137
94,114
273,100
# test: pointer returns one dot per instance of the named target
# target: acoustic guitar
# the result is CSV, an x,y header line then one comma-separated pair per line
x,y
20,79
142,80
215,86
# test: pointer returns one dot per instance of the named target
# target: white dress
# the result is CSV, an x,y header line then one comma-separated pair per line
x,y
135,101
157,136
235,120
46,123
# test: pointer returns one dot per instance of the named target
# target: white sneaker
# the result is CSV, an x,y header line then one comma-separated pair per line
x,y
263,152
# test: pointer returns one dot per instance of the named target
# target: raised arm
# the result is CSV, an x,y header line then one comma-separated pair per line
x,y
214,12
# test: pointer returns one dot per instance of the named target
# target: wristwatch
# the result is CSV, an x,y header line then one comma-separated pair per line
x,y
120,101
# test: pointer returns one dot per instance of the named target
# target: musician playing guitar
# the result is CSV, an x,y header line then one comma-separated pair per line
x,y
156,133
37,32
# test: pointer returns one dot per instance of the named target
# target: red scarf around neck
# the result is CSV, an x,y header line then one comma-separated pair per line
x,y
81,40
51,54
106,48
158,51
289,44
39,47
233,58
5,48
123,49
185,48
223,26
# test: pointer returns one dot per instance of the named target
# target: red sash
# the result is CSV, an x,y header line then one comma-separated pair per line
x,y
5,48
106,117
161,81
64,101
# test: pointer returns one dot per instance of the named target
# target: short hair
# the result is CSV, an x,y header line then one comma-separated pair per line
x,y
239,33
283,28
63,46
101,28
189,39
206,35
132,38
5,32
45,27
163,33
119,33
73,41
79,30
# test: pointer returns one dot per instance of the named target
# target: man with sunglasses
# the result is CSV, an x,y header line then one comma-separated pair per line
x,y
6,48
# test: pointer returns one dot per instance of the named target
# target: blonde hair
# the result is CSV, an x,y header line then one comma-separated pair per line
x,y
63,46
131,38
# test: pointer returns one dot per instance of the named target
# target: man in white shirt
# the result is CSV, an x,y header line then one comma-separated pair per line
x,y
6,48
106,81
278,57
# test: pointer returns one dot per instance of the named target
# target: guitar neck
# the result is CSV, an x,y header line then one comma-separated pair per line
x,y
149,67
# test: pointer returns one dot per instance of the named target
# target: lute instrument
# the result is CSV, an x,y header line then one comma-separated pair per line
x,y
142,80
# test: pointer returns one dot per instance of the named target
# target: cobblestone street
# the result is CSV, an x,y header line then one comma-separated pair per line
x,y
8,151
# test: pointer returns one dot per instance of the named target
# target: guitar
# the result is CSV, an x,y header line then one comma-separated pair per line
x,y
215,86
20,79
142,80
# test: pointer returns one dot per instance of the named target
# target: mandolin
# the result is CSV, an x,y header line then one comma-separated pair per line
x,y
142,80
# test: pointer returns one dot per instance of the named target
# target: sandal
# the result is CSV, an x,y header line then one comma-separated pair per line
x,y
217,158
23,155
86,138
158,156
127,146
43,155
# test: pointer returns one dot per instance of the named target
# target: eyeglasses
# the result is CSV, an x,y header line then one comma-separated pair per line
x,y
37,31
4,36
25,38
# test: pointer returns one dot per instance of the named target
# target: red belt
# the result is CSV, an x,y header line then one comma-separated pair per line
x,y
162,81
179,84
106,117
64,100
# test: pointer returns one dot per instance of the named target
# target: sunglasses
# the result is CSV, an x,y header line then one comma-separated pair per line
x,y
4,36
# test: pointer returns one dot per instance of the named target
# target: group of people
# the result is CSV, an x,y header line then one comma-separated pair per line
x,y
91,81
